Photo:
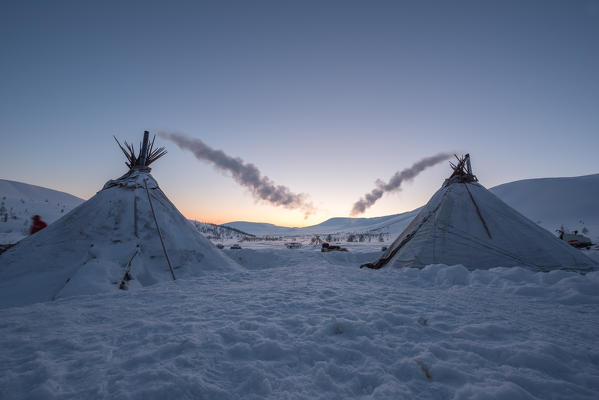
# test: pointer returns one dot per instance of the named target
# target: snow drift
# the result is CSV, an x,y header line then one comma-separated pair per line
x,y
326,330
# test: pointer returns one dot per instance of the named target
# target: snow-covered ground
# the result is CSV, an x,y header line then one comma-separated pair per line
x,y
301,324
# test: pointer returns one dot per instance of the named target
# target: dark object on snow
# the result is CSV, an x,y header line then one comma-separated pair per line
x,y
4,247
383,248
574,239
425,369
220,246
127,277
236,247
327,247
37,225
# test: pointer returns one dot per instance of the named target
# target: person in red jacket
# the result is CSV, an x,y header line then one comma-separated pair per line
x,y
37,225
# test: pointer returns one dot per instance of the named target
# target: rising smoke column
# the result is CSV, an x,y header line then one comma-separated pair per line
x,y
395,182
245,174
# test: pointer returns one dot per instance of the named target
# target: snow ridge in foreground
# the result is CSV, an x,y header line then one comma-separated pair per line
x,y
324,331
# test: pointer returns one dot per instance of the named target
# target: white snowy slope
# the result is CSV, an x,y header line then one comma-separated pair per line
x,y
264,229
20,201
300,324
553,202
89,250
550,202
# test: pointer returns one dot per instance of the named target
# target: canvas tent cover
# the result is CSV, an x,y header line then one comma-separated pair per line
x,y
464,223
87,250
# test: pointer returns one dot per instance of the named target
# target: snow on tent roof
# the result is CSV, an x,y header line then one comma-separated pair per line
x,y
464,223
110,241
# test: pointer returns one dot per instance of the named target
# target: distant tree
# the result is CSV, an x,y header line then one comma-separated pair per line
x,y
329,238
351,237
381,237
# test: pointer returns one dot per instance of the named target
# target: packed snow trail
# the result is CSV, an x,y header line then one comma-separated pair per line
x,y
321,330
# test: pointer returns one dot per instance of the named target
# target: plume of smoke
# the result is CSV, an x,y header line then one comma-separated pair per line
x,y
395,182
245,174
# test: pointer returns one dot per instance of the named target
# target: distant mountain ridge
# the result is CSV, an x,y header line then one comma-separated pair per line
x,y
219,232
550,202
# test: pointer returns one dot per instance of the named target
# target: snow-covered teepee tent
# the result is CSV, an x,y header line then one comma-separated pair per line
x,y
129,234
464,223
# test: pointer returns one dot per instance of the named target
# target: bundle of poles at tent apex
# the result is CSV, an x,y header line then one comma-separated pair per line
x,y
462,171
147,153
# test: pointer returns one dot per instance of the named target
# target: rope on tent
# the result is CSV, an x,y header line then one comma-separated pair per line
x,y
65,285
168,260
135,217
478,212
127,276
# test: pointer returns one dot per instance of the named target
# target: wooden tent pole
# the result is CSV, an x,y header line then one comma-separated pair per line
x,y
144,150
478,212
168,260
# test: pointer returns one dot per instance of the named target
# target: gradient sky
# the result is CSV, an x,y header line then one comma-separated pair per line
x,y
323,97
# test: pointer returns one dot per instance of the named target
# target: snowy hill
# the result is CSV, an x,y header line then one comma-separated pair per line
x,y
264,229
20,201
219,232
550,202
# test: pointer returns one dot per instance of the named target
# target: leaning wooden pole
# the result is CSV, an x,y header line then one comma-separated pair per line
x,y
144,150
168,260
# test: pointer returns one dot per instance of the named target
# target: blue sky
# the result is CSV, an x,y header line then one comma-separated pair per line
x,y
324,97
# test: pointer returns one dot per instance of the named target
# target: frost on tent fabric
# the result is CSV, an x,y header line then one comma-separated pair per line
x,y
463,223
128,235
